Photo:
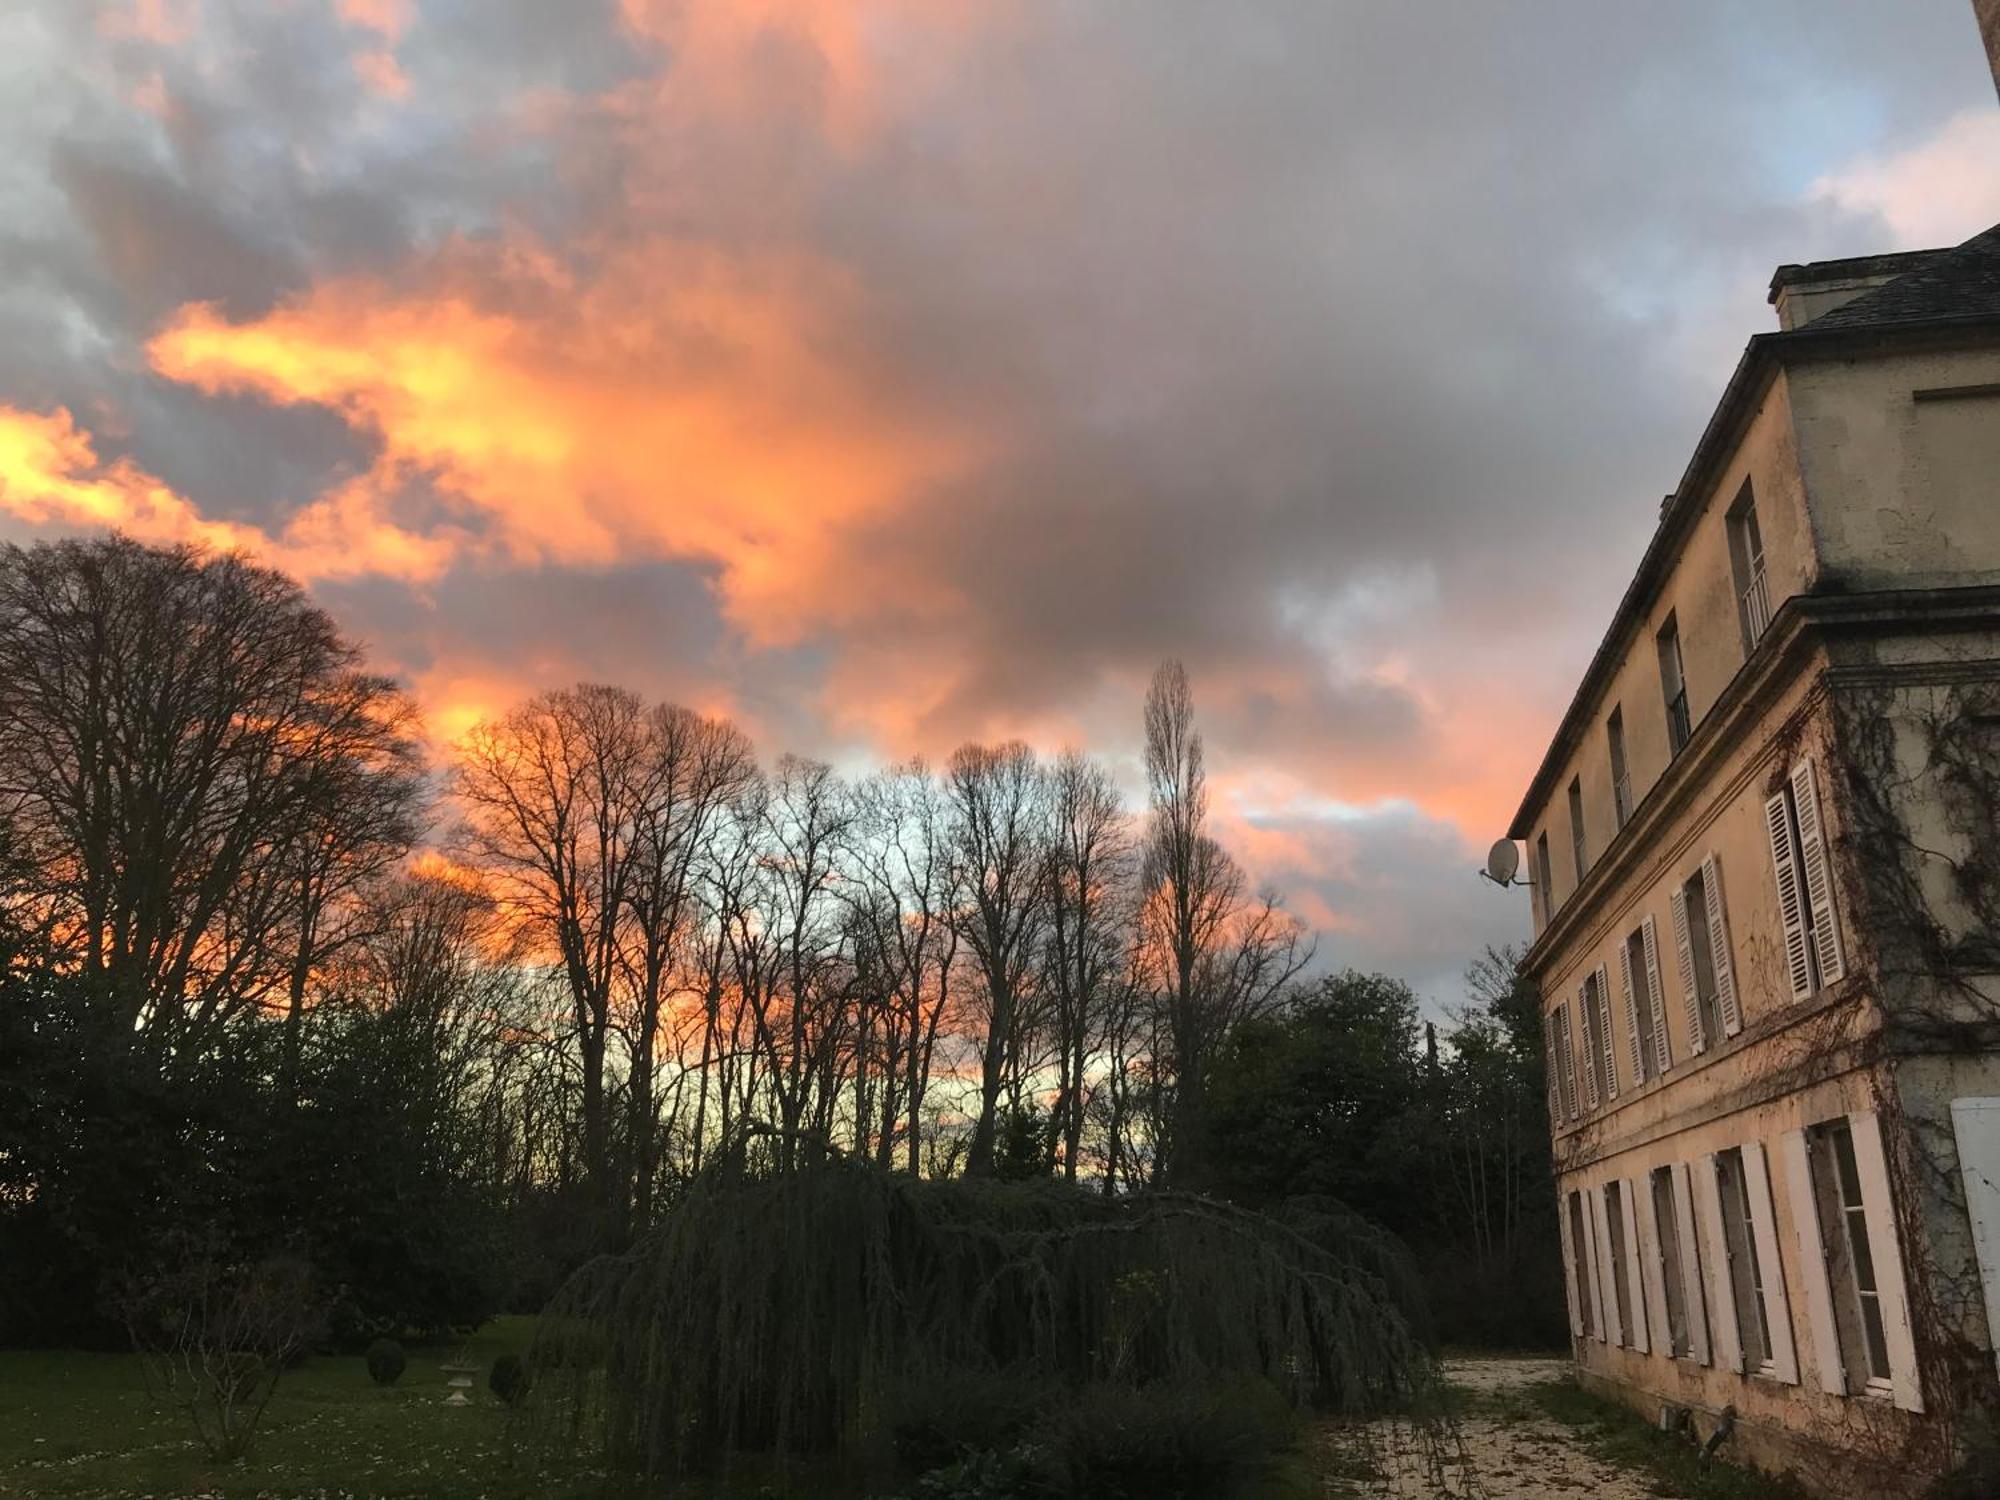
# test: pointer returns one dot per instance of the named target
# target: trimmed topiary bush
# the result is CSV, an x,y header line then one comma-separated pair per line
x,y
386,1361
508,1379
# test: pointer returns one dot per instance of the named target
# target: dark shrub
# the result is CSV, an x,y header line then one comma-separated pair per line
x,y
1021,1473
386,1361
508,1379
1165,1441
954,1417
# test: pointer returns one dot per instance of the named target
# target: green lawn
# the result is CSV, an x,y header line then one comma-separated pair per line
x,y
84,1425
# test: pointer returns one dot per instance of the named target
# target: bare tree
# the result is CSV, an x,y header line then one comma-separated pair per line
x,y
200,772
1220,958
553,795
905,896
788,952
691,769
1000,835
1089,908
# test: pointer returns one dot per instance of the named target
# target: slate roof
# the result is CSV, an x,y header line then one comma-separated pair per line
x,y
1959,283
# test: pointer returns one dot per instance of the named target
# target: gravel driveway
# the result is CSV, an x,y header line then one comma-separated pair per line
x,y
1524,1456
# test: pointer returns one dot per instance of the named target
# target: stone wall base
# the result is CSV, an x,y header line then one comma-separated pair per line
x,y
1833,1473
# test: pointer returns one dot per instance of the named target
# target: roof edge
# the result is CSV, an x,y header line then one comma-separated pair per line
x,y
1762,356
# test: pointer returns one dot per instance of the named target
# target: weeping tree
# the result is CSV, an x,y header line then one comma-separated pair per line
x,y
799,1315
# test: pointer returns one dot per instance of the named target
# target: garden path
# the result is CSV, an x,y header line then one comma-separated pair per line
x,y
1507,1450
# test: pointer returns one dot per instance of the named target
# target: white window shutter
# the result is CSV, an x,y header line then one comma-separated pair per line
x,y
1607,1287
1764,1228
1715,1267
1589,1041
1718,947
1554,1063
1975,1124
1650,941
1569,1266
1608,1041
1635,1264
1791,908
1883,1248
1817,874
1568,1060
1692,1293
1684,952
1659,1326
1593,1226
1631,1014
1797,1166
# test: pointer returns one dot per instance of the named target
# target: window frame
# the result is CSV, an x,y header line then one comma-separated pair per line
x,y
1674,686
1621,769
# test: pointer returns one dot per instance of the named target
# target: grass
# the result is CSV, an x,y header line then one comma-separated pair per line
x,y
84,1425
1621,1436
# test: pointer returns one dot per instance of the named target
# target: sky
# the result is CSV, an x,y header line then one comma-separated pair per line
x,y
886,374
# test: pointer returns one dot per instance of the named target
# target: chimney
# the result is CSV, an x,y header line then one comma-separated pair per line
x,y
1802,293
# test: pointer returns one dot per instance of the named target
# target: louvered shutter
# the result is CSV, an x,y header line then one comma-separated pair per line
x,y
1871,1167
1593,1228
1569,1267
1684,953
1650,941
1568,1061
1718,946
1791,908
1715,1267
1631,1013
1589,1041
1764,1231
1795,1159
1554,1049
1635,1276
1609,1039
1817,874
1659,1325
1607,1285
1688,1231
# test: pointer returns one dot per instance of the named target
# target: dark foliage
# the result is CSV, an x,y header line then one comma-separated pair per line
x,y
791,1315
1347,1101
508,1379
386,1361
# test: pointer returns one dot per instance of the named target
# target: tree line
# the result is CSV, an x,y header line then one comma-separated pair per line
x,y
270,971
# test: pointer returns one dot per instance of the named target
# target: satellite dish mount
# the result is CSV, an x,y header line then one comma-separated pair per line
x,y
1503,862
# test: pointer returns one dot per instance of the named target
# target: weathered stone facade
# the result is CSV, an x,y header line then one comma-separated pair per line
x,y
1768,899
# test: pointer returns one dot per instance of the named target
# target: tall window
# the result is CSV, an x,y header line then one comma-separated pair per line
x,y
1562,1059
1805,885
1545,876
1621,1277
1673,686
1621,777
1576,843
1640,961
1701,941
1600,1066
1666,1219
1850,1267
1746,558
1746,1272
1580,1262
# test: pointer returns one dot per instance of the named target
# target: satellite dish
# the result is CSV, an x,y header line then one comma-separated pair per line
x,y
1502,860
